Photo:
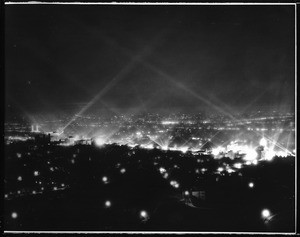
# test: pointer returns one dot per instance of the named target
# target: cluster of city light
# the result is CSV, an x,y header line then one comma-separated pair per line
x,y
168,122
174,183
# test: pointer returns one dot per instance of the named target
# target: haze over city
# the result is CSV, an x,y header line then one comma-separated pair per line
x,y
150,117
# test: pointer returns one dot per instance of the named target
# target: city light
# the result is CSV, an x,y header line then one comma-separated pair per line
x,y
99,141
251,155
104,179
107,204
263,142
218,150
14,215
265,213
123,170
184,149
36,173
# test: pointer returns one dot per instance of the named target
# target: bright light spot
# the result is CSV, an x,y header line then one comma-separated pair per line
x,y
107,204
237,165
36,173
251,185
216,151
220,169
73,161
269,155
33,192
265,213
166,175
55,188
162,170
183,149
104,179
14,215
255,162
263,142
143,214
169,122
248,162
165,148
99,141
229,170
19,155
123,170
251,154
186,193
20,178
175,184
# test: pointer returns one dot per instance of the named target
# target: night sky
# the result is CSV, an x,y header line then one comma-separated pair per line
x,y
153,58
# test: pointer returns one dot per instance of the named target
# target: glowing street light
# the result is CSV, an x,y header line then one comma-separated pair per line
x,y
265,213
105,179
14,215
144,215
36,173
107,204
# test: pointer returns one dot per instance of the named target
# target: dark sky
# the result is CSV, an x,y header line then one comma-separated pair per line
x,y
149,57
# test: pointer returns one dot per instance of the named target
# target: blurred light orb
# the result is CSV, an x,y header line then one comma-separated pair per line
x,y
36,173
104,179
143,214
251,185
20,178
186,193
14,215
123,170
107,203
265,213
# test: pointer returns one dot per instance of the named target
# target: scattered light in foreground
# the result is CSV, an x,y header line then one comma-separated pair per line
x,y
237,165
175,184
36,173
107,204
251,185
14,215
162,170
123,170
144,214
265,213
104,179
